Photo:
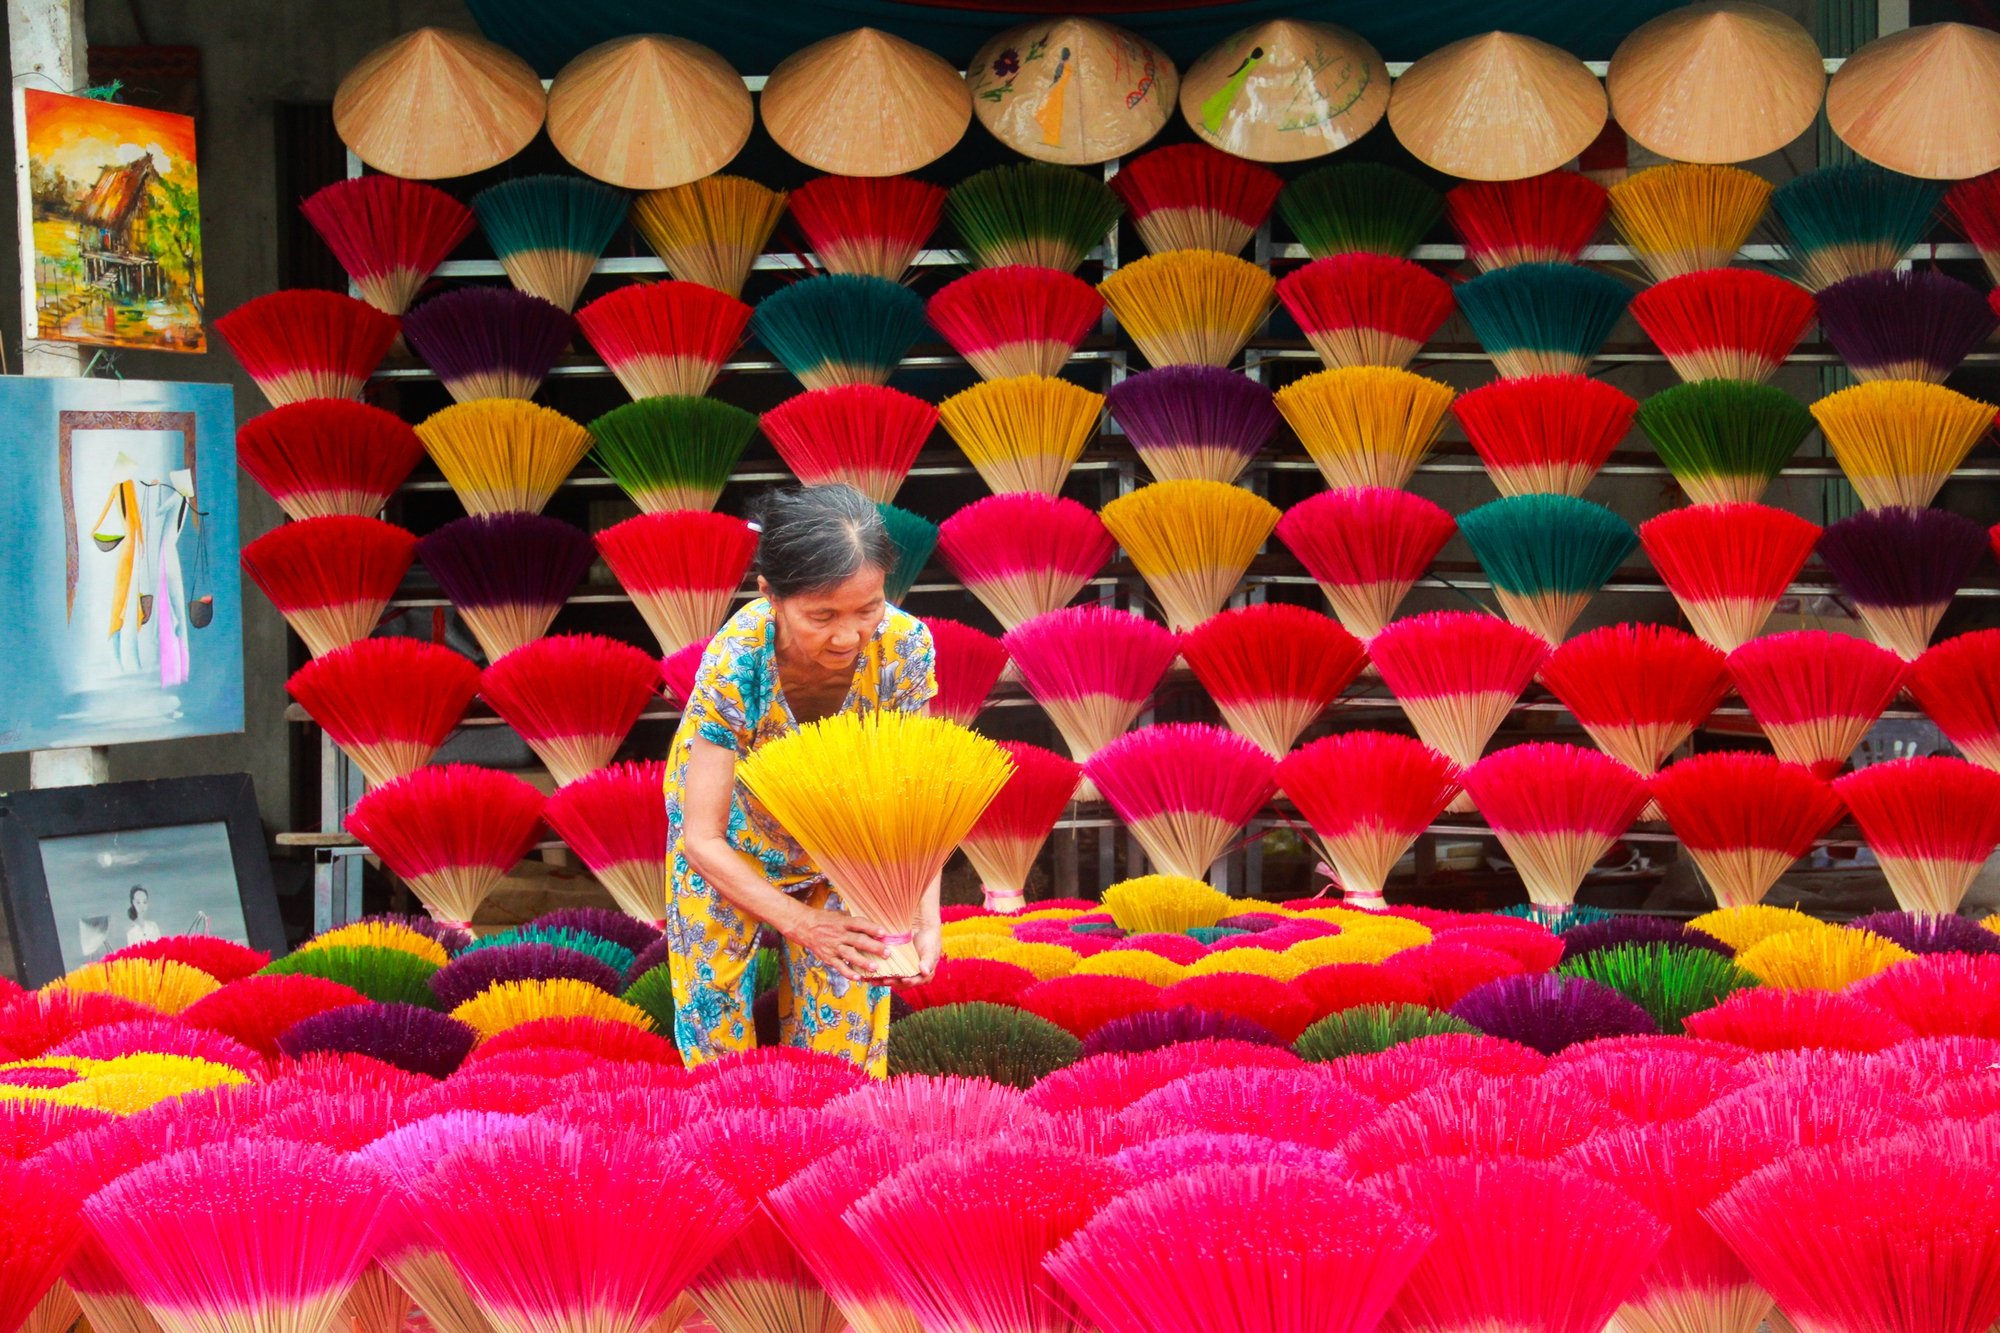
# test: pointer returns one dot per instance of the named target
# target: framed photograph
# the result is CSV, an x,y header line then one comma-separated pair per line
x,y
122,610
110,224
88,870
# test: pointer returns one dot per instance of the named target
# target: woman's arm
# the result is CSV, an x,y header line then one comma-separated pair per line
x,y
845,943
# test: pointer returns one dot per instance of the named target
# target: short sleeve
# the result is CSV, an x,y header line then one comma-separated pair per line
x,y
913,668
719,707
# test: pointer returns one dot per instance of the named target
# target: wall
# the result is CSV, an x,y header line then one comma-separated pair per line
x,y
256,56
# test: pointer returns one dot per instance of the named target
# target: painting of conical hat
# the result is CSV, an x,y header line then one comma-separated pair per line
x,y
1285,91
1072,90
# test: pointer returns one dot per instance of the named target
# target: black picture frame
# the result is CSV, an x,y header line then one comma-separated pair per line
x,y
30,818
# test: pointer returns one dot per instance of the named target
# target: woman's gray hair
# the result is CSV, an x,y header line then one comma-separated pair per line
x,y
816,537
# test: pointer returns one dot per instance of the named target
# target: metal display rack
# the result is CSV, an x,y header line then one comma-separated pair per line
x,y
1110,469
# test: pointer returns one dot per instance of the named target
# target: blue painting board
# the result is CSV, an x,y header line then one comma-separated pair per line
x,y
121,614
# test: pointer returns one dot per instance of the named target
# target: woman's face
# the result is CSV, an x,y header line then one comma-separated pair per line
x,y
140,900
828,627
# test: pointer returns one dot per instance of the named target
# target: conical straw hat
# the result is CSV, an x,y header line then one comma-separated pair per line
x,y
1497,107
1285,91
436,103
1721,81
1923,101
1072,90
864,103
649,112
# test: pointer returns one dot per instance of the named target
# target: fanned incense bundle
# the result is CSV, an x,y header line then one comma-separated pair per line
x,y
839,329
1015,320
388,703
1545,219
507,574
1544,434
576,1198
1194,197
1681,217
1194,423
1365,547
1900,568
1091,669
969,663
1456,675
1724,323
387,233
548,231
220,1235
1365,425
866,435
1542,319
1184,790
328,456
1744,818
1003,845
1724,441
809,1207
1520,1244
709,231
1191,541
1022,434
1361,206
681,568
1815,693
450,831
1189,307
1728,564
489,342
924,780
1367,796
1897,441
678,670
1957,684
1932,823
1974,205
1366,310
1035,214
1639,690
307,344
1852,218
1193,1245
1022,553
873,225
572,698
331,577
1557,809
671,453
914,538
1547,556
503,455
1272,669
663,339
1904,325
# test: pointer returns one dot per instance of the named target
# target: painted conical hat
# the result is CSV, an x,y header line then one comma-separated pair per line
x,y
1072,90
865,103
1285,91
436,103
649,112
1497,107
1924,101
1722,81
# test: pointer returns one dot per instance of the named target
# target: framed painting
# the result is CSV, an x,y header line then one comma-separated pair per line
x,y
110,224
120,602
87,871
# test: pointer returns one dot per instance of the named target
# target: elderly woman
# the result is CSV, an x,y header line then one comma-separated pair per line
x,y
820,639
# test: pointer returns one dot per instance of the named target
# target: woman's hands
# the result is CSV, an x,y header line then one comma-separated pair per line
x,y
930,948
847,944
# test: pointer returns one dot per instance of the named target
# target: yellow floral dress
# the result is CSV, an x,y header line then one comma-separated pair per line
x,y
736,704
